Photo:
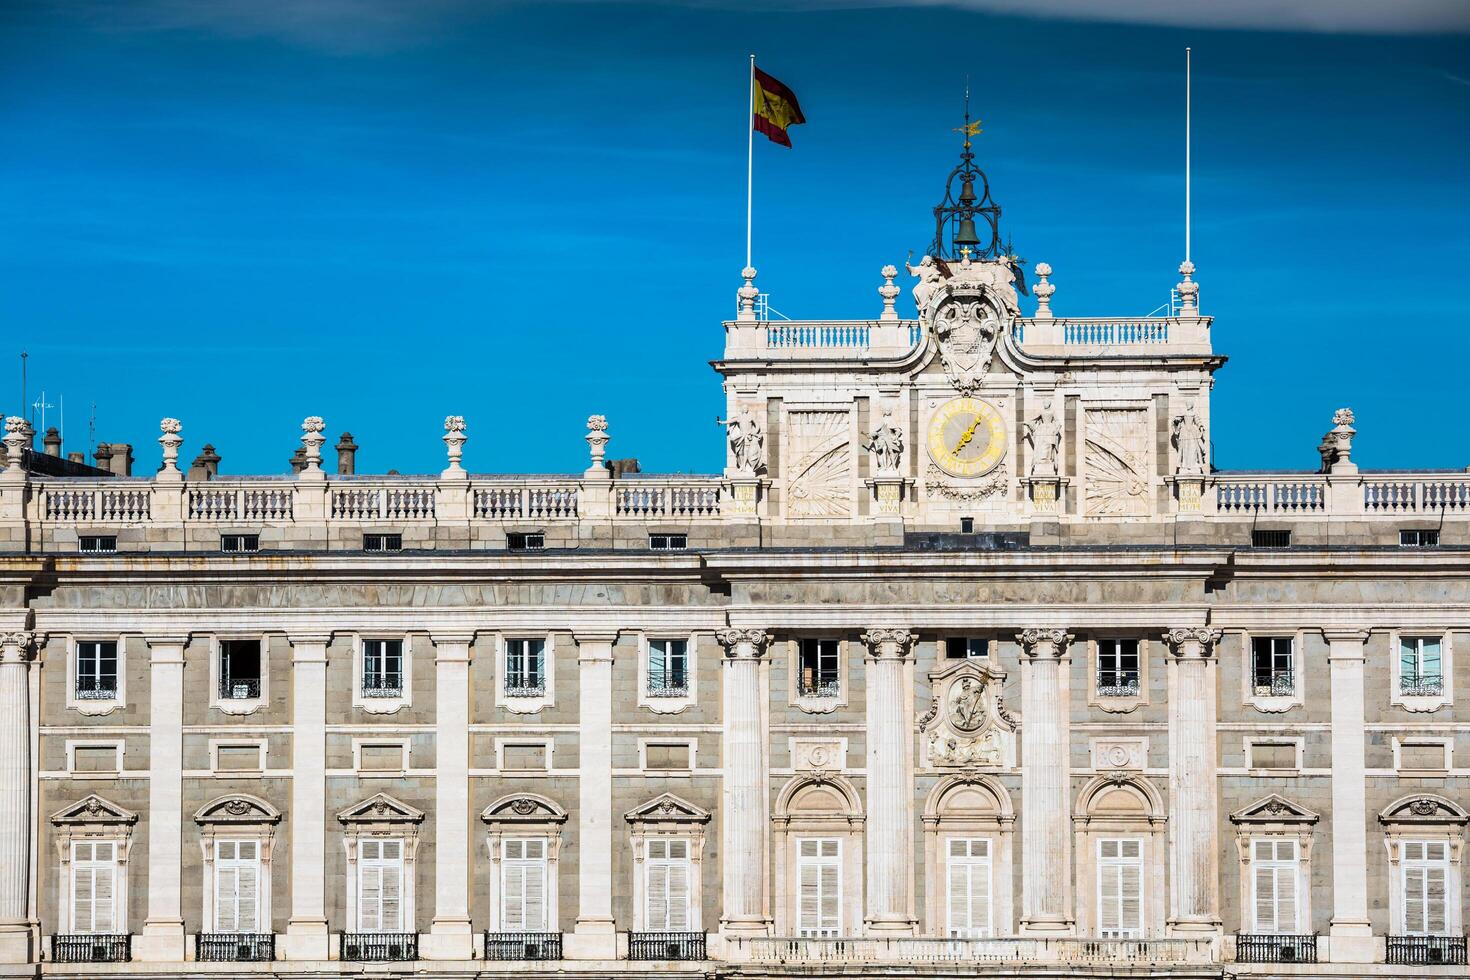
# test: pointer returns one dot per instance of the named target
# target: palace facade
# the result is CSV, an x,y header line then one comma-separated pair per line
x,y
970,662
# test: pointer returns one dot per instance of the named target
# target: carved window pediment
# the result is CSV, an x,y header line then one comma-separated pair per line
x,y
237,810
967,724
523,808
1424,810
381,809
1275,809
668,808
94,811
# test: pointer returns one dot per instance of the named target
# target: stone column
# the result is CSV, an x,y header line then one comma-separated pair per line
x,y
17,925
1351,933
1046,845
890,738
307,937
162,939
451,937
1193,794
744,755
595,936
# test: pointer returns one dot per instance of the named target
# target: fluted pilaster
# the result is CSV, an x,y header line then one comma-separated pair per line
x,y
16,650
1046,855
746,792
1193,795
890,781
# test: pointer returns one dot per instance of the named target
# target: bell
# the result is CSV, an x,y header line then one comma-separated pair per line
x,y
967,191
966,234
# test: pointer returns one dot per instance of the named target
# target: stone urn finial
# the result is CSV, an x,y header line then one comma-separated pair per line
x,y
748,294
170,441
1342,441
1043,291
597,439
1188,290
889,292
17,441
454,440
311,443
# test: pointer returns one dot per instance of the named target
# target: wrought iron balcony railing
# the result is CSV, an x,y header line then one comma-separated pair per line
x,y
1269,948
234,947
379,947
1117,684
1427,951
820,688
522,945
239,689
93,690
669,689
1421,685
382,686
666,946
535,690
1275,683
91,948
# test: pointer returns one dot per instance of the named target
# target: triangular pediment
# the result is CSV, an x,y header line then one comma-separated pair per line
x,y
236,809
973,666
381,808
667,808
93,810
1274,809
523,808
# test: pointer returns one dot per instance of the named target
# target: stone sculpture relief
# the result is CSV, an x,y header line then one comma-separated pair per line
x,y
1191,443
1116,455
885,442
747,442
1044,434
820,453
965,725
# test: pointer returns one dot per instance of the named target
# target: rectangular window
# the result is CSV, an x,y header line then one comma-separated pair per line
x,y
1270,539
1426,874
969,888
237,886
1273,666
668,542
239,542
1417,538
523,884
1275,872
239,669
1117,669
382,668
525,668
966,647
382,542
668,668
97,544
1421,671
525,540
667,893
819,879
94,887
380,885
96,670
819,676
1120,888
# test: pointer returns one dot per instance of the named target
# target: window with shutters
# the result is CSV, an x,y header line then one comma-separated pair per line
x,y
523,885
237,886
94,887
968,877
1425,869
380,885
668,874
1276,886
819,884
1120,888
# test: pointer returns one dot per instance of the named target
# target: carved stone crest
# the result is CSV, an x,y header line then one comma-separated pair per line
x,y
966,725
966,312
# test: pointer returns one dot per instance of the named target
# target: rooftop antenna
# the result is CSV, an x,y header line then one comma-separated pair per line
x,y
42,404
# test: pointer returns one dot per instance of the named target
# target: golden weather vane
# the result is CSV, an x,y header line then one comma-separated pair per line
x,y
969,129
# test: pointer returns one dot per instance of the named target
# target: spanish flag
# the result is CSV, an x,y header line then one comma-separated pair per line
x,y
774,108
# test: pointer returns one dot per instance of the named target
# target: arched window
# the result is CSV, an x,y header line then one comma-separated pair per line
x,y
1273,841
969,827
1119,824
381,835
818,842
523,834
1425,837
236,833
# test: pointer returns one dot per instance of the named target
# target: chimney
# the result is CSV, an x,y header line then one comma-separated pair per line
x,y
102,456
122,459
77,457
346,455
51,442
298,459
620,467
205,465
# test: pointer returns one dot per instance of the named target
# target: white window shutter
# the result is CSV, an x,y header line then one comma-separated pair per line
x,y
808,904
1286,902
1434,900
392,898
959,897
370,898
658,896
831,887
1110,913
535,903
679,897
1415,916
226,888
1130,888
83,899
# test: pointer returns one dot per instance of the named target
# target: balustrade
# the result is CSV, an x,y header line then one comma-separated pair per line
x,y
1009,950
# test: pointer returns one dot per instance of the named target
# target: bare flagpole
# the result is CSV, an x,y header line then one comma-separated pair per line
x,y
1186,151
749,155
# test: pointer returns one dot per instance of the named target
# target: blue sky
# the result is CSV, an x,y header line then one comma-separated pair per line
x,y
382,212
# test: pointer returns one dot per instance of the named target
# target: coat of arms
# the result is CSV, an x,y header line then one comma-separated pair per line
x,y
966,307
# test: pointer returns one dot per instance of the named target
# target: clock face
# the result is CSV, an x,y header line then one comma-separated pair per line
x,y
967,437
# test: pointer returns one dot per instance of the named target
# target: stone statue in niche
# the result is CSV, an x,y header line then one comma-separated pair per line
x,y
886,444
1044,434
747,441
1191,442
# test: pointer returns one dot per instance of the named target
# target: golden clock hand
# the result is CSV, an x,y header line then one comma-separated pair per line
x,y
965,439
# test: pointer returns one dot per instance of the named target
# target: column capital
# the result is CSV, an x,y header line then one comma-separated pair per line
x,y
451,637
1044,641
743,644
19,646
306,638
1344,634
889,643
603,635
1196,642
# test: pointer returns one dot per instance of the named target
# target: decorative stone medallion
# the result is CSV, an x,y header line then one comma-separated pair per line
x,y
966,725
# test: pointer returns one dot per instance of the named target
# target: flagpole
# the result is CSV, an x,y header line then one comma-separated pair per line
x,y
1187,122
749,156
